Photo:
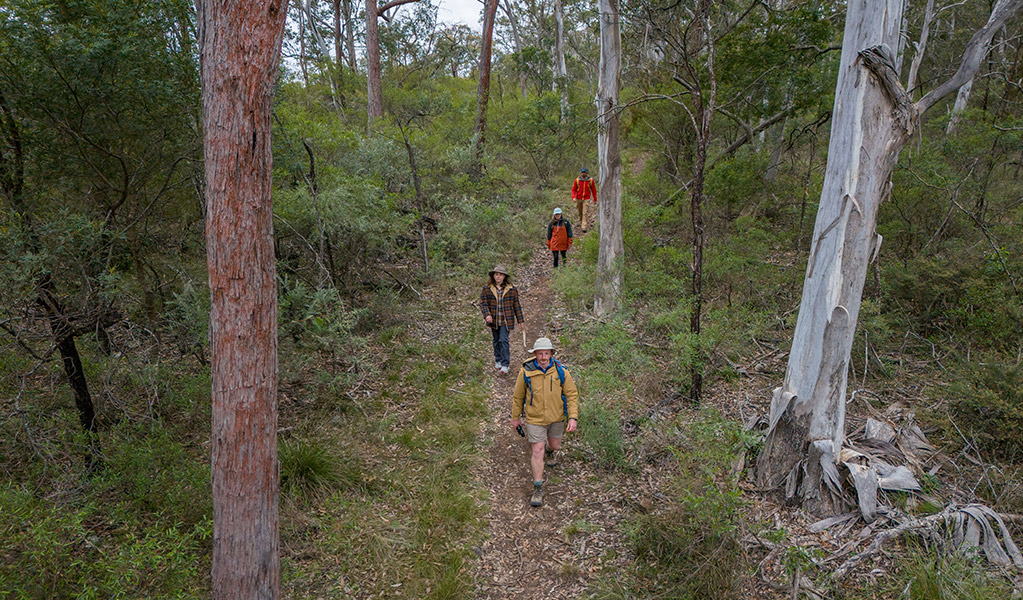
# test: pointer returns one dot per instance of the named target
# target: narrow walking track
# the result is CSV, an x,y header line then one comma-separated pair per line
x,y
557,550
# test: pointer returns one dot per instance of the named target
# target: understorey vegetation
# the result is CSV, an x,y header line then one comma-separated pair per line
x,y
383,233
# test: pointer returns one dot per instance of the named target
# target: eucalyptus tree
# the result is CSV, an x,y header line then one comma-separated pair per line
x,y
873,118
715,102
513,23
560,70
610,257
240,47
479,130
374,93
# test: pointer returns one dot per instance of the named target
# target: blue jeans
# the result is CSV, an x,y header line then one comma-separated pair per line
x,y
502,353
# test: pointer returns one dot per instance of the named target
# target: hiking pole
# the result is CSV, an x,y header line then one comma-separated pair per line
x,y
524,346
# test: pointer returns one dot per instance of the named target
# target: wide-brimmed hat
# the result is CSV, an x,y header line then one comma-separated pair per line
x,y
542,344
499,269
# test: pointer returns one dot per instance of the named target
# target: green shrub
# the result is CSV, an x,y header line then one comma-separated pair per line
x,y
601,429
307,465
57,551
946,575
988,406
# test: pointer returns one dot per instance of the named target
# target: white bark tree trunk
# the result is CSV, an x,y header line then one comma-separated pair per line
x,y
872,120
610,254
962,99
921,47
513,21
560,70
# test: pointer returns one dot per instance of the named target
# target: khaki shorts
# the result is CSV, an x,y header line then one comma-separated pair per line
x,y
539,433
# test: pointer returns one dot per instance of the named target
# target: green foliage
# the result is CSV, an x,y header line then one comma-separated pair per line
x,y
308,465
959,299
601,429
149,472
941,575
691,549
987,404
54,551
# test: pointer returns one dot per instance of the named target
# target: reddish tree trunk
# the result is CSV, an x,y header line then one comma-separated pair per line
x,y
374,92
240,47
338,53
479,131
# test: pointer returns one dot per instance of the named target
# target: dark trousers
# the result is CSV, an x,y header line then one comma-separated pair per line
x,y
502,352
556,256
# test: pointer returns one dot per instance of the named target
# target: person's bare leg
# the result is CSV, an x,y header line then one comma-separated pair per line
x,y
551,455
536,461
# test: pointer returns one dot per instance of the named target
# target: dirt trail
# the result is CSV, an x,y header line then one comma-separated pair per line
x,y
555,550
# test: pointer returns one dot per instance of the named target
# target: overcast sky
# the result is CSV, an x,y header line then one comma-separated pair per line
x,y
461,11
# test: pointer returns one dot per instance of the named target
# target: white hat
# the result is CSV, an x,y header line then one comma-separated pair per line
x,y
542,344
557,211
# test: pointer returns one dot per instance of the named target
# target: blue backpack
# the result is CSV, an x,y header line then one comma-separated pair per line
x,y
529,385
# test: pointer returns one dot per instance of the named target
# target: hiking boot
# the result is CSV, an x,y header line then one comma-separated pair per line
x,y
551,458
497,366
504,370
537,498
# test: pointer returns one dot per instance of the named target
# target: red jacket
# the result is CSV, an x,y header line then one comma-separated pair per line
x,y
584,189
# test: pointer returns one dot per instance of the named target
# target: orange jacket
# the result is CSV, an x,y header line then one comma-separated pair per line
x,y
559,235
584,189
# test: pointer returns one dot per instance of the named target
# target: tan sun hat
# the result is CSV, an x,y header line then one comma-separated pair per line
x,y
499,269
542,344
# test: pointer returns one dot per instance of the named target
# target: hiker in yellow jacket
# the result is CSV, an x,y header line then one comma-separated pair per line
x,y
546,394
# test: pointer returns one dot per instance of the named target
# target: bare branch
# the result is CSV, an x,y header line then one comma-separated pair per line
x,y
974,53
747,136
392,4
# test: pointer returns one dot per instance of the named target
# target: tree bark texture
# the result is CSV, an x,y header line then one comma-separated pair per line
x,y
336,34
872,120
864,146
240,45
479,130
610,254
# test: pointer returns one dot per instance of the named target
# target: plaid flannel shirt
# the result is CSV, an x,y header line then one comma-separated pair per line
x,y
502,315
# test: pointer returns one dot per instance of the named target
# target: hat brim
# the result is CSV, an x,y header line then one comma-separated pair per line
x,y
534,350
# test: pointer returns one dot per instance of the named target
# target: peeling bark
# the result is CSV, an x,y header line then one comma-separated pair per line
x,y
873,119
611,254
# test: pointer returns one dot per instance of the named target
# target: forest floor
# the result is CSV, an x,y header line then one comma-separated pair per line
x,y
553,551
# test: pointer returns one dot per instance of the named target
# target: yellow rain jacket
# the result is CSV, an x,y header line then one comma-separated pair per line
x,y
542,395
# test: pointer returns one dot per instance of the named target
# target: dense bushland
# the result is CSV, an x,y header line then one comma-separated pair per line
x,y
101,241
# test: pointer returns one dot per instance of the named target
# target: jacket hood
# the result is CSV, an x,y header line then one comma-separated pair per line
x,y
531,366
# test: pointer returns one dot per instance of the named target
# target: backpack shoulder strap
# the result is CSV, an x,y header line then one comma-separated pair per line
x,y
561,376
